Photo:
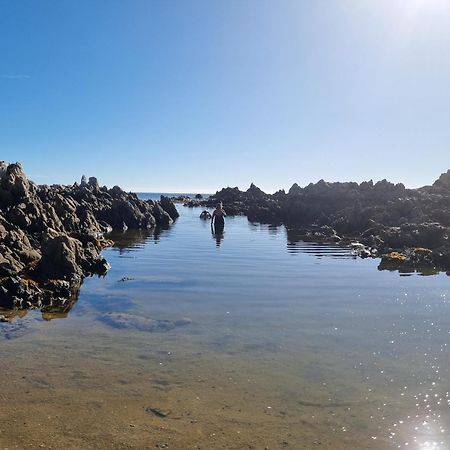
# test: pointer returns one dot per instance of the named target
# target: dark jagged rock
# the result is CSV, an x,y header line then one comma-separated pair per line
x,y
168,206
382,216
162,216
52,237
443,182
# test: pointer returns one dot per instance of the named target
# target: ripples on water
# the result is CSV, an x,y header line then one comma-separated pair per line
x,y
292,345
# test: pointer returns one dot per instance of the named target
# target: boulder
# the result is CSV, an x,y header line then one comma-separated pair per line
x,y
61,257
15,181
93,183
168,206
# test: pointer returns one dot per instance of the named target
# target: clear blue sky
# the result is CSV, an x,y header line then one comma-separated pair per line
x,y
191,95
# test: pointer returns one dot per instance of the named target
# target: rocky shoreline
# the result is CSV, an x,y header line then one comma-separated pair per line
x,y
409,229
51,237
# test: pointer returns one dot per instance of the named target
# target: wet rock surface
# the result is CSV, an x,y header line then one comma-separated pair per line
x,y
51,237
380,218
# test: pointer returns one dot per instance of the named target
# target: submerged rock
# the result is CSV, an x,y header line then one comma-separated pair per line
x,y
157,412
141,323
13,329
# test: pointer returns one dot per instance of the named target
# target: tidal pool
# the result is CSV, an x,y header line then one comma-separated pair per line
x,y
250,340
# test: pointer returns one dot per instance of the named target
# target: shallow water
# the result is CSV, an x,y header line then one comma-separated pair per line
x,y
290,345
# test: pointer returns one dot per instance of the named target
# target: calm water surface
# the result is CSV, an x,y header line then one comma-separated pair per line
x,y
291,345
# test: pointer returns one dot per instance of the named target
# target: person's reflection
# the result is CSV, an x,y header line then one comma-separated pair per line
x,y
217,234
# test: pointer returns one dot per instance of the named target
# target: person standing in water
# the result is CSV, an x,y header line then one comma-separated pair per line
x,y
218,219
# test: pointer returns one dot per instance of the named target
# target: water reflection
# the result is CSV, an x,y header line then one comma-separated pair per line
x,y
131,240
273,230
59,308
300,241
218,234
320,245
408,270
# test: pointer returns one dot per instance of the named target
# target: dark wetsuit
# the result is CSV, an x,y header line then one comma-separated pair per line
x,y
219,222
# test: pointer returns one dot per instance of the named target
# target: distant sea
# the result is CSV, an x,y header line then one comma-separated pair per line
x,y
157,195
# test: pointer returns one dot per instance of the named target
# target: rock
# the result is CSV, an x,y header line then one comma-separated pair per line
x,y
10,329
255,192
61,257
162,217
50,235
123,279
443,182
410,259
3,168
295,190
93,183
141,323
383,216
15,181
157,412
168,206
115,191
441,256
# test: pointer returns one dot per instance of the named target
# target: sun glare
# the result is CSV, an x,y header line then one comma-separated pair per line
x,y
425,6
410,17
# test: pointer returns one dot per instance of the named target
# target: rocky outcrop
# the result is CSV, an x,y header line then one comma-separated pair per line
x,y
383,217
442,184
51,237
168,206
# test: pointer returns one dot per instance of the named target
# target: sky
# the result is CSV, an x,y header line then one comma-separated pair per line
x,y
195,95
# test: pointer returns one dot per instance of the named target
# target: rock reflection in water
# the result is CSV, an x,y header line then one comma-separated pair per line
x,y
59,311
405,269
298,241
130,240
409,271
58,308
320,245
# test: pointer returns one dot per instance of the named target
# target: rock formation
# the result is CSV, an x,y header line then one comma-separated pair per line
x,y
52,237
383,216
